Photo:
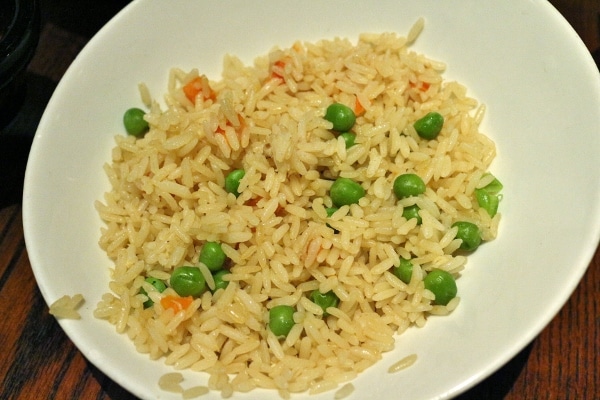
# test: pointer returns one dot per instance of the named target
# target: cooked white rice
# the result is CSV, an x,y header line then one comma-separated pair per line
x,y
66,307
403,363
344,391
171,382
167,199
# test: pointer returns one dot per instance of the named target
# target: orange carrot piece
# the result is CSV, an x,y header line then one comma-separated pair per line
x,y
192,88
196,86
253,201
238,130
359,109
274,74
242,124
279,211
423,86
280,64
176,303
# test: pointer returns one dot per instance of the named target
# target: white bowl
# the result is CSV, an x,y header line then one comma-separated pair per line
x,y
520,58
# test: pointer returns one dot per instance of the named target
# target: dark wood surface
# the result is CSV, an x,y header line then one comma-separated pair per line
x,y
39,362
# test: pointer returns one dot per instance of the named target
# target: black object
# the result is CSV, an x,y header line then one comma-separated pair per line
x,y
596,54
19,34
14,150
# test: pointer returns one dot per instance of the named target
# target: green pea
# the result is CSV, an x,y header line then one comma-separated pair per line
x,y
324,300
488,201
330,211
134,122
469,234
212,255
429,126
442,284
188,281
494,186
341,116
349,138
407,185
281,320
345,191
404,270
158,284
218,278
148,303
411,212
488,196
232,181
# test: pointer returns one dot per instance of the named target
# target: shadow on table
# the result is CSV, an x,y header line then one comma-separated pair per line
x,y
109,387
14,150
499,384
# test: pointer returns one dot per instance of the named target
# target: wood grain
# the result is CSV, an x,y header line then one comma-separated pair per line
x,y
40,362
584,16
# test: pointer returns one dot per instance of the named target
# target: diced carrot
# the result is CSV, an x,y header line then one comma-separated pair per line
x,y
280,64
176,303
253,201
196,86
358,108
242,124
192,88
238,130
422,86
279,211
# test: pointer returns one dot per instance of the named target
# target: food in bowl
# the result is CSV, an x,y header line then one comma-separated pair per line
x,y
277,228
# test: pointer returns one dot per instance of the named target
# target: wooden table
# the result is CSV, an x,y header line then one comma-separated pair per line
x,y
40,362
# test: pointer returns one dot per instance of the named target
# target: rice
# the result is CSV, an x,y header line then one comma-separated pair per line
x,y
403,363
195,391
168,199
171,382
344,391
66,307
